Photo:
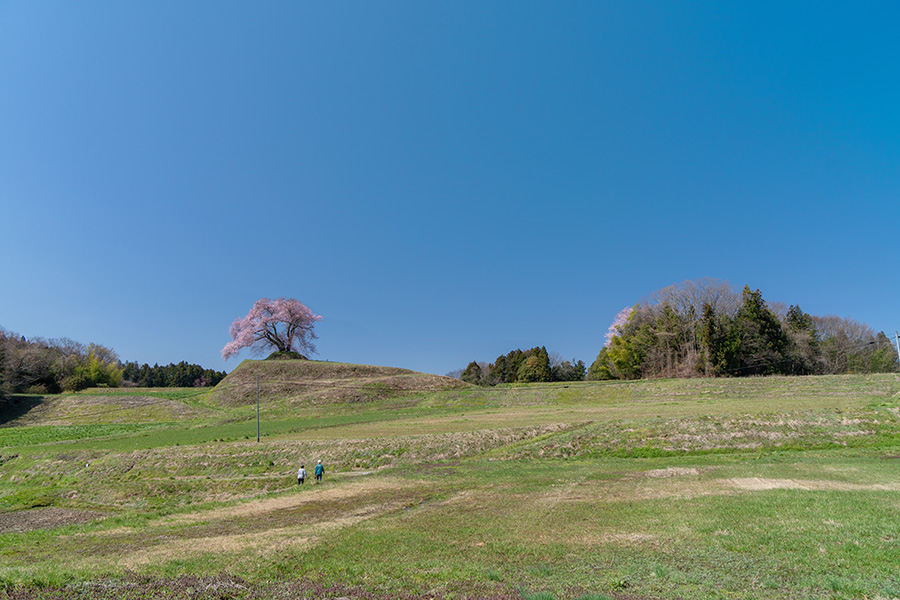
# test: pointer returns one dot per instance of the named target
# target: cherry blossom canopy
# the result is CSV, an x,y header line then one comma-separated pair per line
x,y
285,325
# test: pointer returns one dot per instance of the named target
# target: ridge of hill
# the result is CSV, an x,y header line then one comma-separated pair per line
x,y
317,382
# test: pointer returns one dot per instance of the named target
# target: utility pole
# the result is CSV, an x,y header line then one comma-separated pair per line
x,y
897,340
257,409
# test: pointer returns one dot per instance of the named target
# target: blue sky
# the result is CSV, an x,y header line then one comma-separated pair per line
x,y
442,181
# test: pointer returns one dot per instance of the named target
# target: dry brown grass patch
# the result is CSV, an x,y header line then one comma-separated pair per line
x,y
44,518
317,493
96,408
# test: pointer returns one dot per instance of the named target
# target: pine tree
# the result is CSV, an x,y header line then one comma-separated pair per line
x,y
761,338
497,370
472,374
710,335
535,367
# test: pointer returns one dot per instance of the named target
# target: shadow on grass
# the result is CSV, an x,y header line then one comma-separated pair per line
x,y
14,407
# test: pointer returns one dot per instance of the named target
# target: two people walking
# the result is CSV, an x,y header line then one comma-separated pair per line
x,y
318,472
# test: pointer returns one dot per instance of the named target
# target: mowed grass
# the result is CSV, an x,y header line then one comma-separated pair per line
x,y
752,488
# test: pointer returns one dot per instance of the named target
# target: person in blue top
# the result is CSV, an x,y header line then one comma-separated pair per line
x,y
320,470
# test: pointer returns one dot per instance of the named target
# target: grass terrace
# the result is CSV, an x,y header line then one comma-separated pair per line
x,y
704,488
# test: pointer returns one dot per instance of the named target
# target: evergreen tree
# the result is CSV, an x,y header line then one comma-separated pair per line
x,y
472,374
797,320
760,336
568,371
535,367
514,362
145,378
710,335
802,353
498,370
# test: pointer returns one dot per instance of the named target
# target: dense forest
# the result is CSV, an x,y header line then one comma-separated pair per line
x,y
704,328
50,366
518,366
171,375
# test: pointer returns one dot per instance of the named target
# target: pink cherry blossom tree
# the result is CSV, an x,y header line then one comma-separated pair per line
x,y
285,325
618,325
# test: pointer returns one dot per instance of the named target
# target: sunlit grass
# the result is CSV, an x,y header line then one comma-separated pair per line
x,y
757,488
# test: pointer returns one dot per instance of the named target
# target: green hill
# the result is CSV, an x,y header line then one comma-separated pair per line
x,y
308,382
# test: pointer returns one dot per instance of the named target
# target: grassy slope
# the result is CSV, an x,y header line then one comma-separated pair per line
x,y
301,383
752,488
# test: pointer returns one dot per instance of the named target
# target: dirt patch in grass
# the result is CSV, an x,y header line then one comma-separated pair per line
x,y
670,472
21,521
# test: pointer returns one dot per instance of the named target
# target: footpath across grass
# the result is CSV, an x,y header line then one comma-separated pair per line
x,y
763,488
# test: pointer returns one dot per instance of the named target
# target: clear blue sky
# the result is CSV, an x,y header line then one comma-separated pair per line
x,y
442,181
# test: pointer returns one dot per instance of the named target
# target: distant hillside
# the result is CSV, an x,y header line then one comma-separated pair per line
x,y
103,406
317,382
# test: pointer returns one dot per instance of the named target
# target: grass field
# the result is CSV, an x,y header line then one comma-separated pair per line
x,y
705,488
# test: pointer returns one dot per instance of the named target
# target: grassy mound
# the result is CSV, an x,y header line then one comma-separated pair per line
x,y
316,382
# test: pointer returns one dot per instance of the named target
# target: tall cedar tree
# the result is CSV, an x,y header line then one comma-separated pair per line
x,y
536,367
760,338
472,374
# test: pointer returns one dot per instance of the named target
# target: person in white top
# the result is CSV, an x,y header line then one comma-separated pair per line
x,y
301,475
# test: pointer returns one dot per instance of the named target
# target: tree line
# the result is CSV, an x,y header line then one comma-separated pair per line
x,y
182,374
518,366
55,365
704,328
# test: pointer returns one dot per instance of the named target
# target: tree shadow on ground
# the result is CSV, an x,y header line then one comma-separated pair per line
x,y
15,407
